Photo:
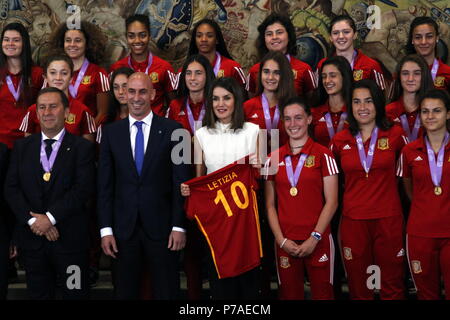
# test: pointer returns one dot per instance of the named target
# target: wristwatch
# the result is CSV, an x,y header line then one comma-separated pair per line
x,y
316,235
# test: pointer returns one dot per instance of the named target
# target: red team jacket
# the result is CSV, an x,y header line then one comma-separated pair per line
x,y
224,205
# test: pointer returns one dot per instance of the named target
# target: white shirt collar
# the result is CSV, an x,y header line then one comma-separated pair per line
x,y
147,120
44,137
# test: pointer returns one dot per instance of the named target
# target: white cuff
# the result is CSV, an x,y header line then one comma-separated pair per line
x,y
31,221
106,232
51,218
178,229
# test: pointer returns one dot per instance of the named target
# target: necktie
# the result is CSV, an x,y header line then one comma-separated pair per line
x,y
48,147
139,147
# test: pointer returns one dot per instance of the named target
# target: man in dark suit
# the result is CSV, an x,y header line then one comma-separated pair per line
x,y
139,201
50,178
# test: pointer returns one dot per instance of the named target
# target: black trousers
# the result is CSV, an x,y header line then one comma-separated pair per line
x,y
163,267
45,265
4,260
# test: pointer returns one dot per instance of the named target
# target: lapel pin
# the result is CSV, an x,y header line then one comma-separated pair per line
x,y
159,131
68,149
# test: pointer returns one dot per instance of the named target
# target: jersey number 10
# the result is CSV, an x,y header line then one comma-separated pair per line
x,y
242,205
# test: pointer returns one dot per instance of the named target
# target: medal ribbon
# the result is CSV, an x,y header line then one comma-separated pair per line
x,y
352,63
149,63
436,167
366,161
434,69
293,177
14,92
74,88
47,164
412,135
270,124
288,56
190,115
329,122
217,64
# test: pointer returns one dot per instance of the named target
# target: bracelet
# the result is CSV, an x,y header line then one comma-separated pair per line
x,y
282,244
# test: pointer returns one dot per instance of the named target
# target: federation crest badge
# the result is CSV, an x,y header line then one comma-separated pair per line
x,y
416,267
310,162
358,74
383,143
439,81
154,77
70,118
221,73
348,253
86,80
284,262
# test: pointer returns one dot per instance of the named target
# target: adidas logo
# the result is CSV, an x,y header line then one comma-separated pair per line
x,y
323,258
254,116
322,119
401,253
182,113
281,163
346,147
419,158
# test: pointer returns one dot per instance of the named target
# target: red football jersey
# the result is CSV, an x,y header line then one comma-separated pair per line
x,y
375,196
12,113
442,80
396,108
79,121
319,125
429,215
298,215
254,113
177,112
161,73
95,81
304,77
224,205
364,68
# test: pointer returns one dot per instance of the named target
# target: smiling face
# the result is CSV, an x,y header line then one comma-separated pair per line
x,y
434,115
74,44
276,38
331,79
223,104
342,36
12,44
58,75
270,75
195,77
363,106
205,39
424,40
51,113
140,92
410,77
296,121
138,38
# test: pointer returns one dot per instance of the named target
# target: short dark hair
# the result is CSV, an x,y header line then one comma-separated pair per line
x,y
415,23
58,57
182,90
339,18
379,102
285,88
296,100
426,81
231,85
345,69
437,94
287,24
64,99
221,46
142,18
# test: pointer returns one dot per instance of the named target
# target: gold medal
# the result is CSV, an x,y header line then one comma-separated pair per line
x,y
293,191
47,176
437,191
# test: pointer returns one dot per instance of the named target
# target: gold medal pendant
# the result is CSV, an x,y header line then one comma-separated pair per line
x,y
293,191
437,191
47,176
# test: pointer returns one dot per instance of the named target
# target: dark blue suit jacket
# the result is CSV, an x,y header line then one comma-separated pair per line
x,y
154,197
